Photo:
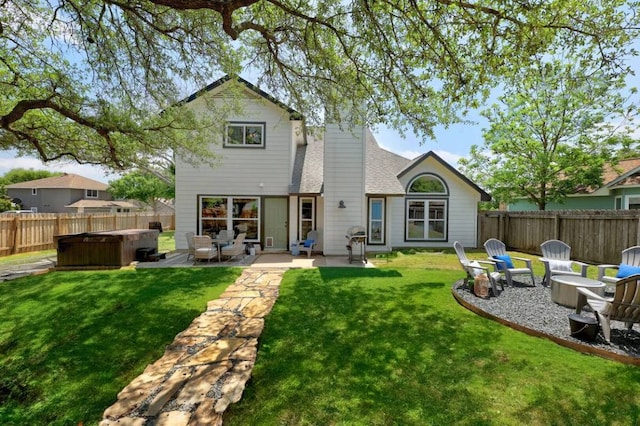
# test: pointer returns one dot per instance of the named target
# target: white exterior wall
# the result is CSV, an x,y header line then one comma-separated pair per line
x,y
344,165
462,209
240,171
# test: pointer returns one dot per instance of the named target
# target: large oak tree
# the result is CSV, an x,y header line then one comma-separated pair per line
x,y
87,80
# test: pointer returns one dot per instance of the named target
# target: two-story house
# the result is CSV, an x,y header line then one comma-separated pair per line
x,y
276,181
66,193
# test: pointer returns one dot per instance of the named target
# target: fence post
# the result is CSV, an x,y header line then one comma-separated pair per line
x,y
89,223
556,225
14,243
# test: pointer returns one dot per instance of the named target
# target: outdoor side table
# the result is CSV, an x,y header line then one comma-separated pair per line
x,y
564,288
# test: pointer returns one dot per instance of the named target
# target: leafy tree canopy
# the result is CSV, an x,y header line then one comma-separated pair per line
x,y
552,133
24,175
142,186
86,80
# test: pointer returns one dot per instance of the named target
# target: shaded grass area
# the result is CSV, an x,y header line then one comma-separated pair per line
x,y
70,341
391,346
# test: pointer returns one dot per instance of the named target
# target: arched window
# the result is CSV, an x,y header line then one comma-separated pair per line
x,y
427,209
427,184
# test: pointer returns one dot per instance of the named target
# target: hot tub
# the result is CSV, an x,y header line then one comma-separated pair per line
x,y
103,249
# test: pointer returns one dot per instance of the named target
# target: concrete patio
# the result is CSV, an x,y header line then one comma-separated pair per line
x,y
178,259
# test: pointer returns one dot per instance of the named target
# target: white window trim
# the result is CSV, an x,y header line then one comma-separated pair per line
x,y
87,193
313,215
34,191
382,220
618,198
229,219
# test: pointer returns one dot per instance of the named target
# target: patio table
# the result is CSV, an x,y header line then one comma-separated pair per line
x,y
564,288
219,242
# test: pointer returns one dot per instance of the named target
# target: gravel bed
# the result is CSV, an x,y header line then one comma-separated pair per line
x,y
531,307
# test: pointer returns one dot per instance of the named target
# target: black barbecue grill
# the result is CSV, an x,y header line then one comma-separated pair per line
x,y
356,236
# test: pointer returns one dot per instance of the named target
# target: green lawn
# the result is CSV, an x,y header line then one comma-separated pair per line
x,y
390,346
70,341
343,346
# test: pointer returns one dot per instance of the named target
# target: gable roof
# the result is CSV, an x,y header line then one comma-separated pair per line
x,y
483,195
626,172
64,181
293,114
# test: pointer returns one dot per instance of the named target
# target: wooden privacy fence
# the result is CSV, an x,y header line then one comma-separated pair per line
x,y
595,236
20,233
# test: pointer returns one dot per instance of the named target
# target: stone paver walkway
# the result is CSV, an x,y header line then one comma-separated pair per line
x,y
207,365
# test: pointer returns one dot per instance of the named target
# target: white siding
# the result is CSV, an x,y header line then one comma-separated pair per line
x,y
344,165
462,211
240,171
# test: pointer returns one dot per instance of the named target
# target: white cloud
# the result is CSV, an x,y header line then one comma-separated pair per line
x,y
449,157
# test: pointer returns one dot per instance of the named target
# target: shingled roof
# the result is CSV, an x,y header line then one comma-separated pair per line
x,y
626,172
382,166
64,181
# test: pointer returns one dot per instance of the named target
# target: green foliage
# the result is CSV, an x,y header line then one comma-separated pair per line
x,y
141,186
70,341
87,80
24,175
551,135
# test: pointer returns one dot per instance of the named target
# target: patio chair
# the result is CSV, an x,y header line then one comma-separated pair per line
x,y
309,244
475,268
623,306
192,249
497,252
225,235
236,249
204,248
556,257
629,265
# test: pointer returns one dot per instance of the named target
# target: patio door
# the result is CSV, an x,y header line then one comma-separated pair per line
x,y
275,223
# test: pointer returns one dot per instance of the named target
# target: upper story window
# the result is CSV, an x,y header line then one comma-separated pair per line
x,y
244,135
34,191
92,193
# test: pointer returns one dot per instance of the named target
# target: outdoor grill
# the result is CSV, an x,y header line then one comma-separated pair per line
x,y
356,236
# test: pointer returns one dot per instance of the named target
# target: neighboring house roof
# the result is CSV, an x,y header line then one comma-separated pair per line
x,y
293,114
96,204
625,173
64,181
483,195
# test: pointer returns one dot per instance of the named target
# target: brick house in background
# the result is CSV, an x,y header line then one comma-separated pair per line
x,y
66,193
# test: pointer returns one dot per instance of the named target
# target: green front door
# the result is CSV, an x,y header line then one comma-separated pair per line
x,y
275,223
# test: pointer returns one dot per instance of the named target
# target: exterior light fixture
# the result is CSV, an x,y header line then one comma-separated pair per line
x,y
341,205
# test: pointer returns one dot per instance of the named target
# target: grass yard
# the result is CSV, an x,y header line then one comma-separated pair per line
x,y
342,346
70,341
390,346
